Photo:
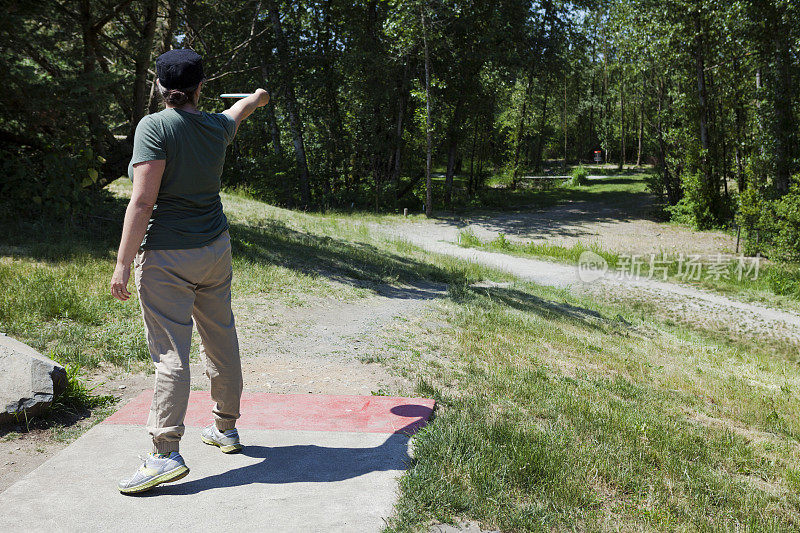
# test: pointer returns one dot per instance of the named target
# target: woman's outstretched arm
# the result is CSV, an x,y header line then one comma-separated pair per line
x,y
146,182
244,107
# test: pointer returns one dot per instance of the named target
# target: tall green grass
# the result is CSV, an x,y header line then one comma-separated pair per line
x,y
64,310
557,416
40,292
566,254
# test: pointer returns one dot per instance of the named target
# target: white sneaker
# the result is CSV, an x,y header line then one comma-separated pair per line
x,y
227,441
154,471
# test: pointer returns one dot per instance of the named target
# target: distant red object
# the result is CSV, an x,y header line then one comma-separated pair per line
x,y
598,156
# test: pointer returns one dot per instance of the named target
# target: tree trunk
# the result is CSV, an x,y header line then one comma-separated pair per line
x,y
739,118
724,141
481,151
710,189
166,44
401,110
471,183
452,150
641,131
701,86
759,86
604,120
542,125
565,121
428,140
520,130
143,56
274,130
623,132
672,190
785,124
89,38
295,122
592,133
275,133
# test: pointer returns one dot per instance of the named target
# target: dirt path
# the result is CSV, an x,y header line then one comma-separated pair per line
x,y
321,346
681,302
326,346
622,227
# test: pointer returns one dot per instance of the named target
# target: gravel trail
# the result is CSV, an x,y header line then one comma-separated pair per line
x,y
682,302
326,346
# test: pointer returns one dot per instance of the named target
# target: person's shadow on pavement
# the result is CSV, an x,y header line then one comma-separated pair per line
x,y
306,463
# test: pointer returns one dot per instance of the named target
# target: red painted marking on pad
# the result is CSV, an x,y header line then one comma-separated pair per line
x,y
360,414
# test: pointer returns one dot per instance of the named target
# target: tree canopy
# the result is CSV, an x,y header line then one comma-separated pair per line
x,y
368,95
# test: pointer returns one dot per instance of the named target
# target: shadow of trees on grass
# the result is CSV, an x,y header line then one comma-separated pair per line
x,y
354,263
274,242
558,311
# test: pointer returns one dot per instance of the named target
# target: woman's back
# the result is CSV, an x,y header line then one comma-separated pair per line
x,y
188,211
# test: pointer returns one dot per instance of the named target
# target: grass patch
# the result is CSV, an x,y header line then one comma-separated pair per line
x,y
566,254
555,412
580,176
617,190
54,278
77,396
555,415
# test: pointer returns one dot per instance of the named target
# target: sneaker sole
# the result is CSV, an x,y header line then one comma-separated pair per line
x,y
230,448
167,477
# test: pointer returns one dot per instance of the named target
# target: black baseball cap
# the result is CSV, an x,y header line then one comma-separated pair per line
x,y
179,69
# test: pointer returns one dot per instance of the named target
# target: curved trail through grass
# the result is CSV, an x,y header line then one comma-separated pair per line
x,y
698,306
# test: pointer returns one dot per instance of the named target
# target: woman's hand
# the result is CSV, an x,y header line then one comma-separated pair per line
x,y
119,282
263,97
245,107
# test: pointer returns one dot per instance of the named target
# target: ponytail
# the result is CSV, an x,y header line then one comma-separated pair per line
x,y
177,97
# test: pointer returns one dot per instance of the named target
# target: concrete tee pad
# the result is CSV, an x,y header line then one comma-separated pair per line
x,y
310,463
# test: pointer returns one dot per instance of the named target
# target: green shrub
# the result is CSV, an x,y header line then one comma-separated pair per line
x,y
78,396
786,225
771,224
682,212
580,176
501,242
697,202
53,183
467,238
656,182
267,178
784,280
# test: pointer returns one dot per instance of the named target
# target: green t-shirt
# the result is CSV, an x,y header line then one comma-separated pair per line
x,y
188,211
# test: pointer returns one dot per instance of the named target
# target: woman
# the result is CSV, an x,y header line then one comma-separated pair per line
x,y
176,235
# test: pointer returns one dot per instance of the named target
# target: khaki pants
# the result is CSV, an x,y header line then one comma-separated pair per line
x,y
175,286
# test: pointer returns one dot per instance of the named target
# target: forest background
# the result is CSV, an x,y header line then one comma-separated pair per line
x,y
422,104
